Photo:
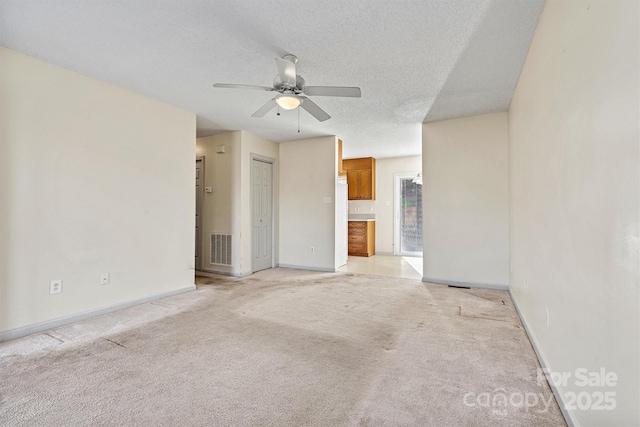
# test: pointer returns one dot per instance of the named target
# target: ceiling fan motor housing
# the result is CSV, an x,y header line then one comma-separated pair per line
x,y
280,86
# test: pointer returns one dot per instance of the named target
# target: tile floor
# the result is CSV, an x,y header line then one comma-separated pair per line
x,y
377,265
385,265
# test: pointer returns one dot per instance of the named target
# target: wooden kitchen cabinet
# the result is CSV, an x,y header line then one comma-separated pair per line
x,y
361,178
362,238
341,171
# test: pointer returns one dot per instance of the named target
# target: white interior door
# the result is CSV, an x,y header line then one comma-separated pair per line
x,y
262,215
199,201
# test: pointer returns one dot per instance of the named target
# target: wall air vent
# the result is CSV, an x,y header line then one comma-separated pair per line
x,y
221,249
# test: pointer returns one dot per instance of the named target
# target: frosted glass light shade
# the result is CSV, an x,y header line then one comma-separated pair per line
x,y
288,102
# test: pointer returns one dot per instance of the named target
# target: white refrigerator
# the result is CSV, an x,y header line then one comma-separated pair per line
x,y
342,217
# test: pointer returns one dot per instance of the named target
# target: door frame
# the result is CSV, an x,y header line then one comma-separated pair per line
x,y
271,161
397,244
200,213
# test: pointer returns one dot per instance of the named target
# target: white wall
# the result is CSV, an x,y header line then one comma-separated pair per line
x,y
94,179
227,209
465,200
359,207
308,173
574,197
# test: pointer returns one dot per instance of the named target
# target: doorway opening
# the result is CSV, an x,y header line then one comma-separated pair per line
x,y
408,214
199,211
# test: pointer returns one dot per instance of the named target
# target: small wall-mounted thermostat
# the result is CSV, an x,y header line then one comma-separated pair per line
x,y
221,149
207,190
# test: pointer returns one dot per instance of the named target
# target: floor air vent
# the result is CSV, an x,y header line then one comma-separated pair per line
x,y
221,249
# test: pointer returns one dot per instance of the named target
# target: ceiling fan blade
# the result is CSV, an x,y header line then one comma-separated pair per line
x,y
232,86
265,108
314,110
351,92
287,71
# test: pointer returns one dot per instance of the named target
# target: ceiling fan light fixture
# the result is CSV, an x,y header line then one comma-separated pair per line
x,y
292,91
288,102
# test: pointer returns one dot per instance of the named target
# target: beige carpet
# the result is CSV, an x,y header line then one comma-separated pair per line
x,y
285,348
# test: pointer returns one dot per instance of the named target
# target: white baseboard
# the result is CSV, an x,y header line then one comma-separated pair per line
x,y
305,267
496,286
568,416
65,320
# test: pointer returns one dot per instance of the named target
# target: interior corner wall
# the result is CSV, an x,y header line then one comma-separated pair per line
x,y
222,207
308,175
574,201
465,201
94,179
254,145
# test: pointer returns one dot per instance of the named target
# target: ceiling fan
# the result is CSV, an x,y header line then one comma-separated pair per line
x,y
291,90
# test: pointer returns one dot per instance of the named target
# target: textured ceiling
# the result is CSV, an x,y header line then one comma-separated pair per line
x,y
415,61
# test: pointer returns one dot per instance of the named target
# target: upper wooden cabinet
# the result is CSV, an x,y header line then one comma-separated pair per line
x,y
341,170
361,178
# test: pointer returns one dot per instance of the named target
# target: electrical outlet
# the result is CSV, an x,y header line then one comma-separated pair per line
x,y
312,250
104,279
55,287
357,209
548,317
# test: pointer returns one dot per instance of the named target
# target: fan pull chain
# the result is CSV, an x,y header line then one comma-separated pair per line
x,y
278,110
298,119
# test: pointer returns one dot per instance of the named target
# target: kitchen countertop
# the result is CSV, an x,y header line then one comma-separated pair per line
x,y
357,219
